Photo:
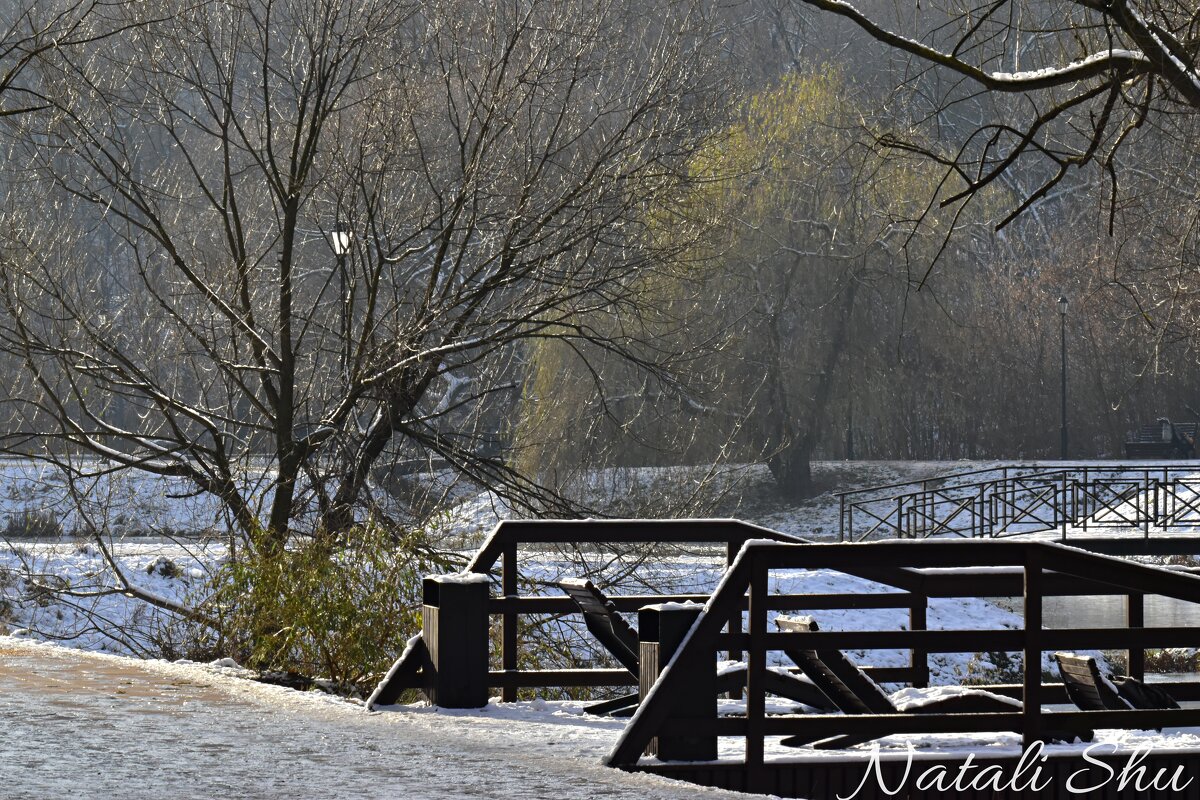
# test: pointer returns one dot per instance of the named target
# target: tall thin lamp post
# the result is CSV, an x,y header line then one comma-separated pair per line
x,y
1062,317
340,240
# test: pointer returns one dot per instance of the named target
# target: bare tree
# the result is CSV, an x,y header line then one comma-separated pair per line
x,y
486,175
33,29
1089,76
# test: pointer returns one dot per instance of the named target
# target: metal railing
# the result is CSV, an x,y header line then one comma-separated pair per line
x,y
1016,499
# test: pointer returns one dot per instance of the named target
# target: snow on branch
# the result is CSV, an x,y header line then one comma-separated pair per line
x,y
1114,59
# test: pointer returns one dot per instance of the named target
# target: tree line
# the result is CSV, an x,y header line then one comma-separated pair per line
x,y
332,243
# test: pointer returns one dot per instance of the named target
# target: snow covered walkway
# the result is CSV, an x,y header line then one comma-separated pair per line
x,y
83,725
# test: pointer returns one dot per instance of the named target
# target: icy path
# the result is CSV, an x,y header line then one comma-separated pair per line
x,y
80,725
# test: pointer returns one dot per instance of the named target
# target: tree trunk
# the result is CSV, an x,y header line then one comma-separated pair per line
x,y
791,467
789,456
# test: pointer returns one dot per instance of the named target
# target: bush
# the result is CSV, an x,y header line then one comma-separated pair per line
x,y
32,525
340,613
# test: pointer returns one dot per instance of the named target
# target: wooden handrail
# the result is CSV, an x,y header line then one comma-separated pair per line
x,y
747,577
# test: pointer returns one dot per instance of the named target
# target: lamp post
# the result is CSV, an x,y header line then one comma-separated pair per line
x,y
340,240
1062,317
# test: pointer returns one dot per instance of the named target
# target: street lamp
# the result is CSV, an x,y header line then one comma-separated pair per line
x,y
1062,317
340,239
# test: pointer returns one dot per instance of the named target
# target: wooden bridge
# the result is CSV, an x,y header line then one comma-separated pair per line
x,y
680,705
1031,571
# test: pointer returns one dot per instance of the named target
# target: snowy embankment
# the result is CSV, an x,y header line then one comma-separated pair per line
x,y
165,540
39,500
65,592
179,572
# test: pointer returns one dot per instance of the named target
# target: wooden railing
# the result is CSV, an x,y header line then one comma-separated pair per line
x,y
952,568
501,553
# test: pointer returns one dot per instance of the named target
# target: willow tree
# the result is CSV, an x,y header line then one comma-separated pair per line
x,y
818,250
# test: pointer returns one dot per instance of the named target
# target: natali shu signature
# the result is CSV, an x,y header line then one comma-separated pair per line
x,y
1027,774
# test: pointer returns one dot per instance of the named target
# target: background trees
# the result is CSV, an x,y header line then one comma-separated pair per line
x,y
557,250
814,223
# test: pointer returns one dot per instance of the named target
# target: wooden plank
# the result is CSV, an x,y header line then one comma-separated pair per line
x,y
529,678
918,658
1032,652
967,641
508,630
756,660
1135,617
825,725
1125,574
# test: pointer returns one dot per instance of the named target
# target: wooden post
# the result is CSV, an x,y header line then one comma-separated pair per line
x,y
756,667
661,629
1146,510
1032,663
1158,491
918,660
1062,507
1135,617
735,621
455,619
508,621
842,518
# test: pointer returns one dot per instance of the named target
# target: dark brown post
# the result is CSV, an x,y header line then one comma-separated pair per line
x,y
661,629
455,620
735,622
1135,617
756,667
508,621
1155,493
918,660
1084,490
1031,697
1062,507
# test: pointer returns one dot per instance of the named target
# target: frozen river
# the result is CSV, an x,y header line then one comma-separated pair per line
x,y
76,725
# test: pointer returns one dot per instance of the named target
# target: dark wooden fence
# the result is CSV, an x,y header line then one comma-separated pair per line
x,y
501,553
951,568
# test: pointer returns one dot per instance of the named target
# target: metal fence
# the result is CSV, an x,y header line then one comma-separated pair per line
x,y
1010,500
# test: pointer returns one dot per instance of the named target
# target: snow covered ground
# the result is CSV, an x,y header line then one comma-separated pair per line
x,y
164,542
87,725
91,616
36,498
177,569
